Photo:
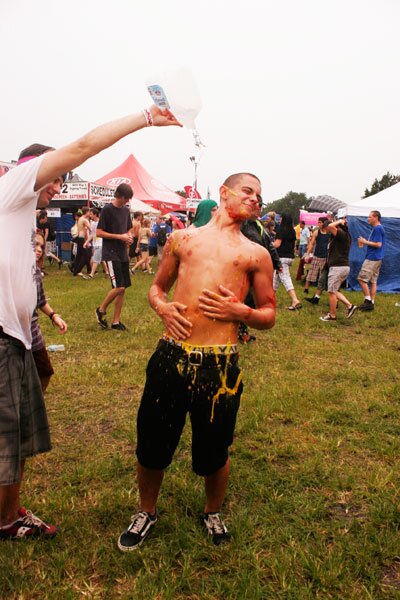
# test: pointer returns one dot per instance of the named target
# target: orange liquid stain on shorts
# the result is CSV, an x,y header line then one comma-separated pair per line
x,y
224,389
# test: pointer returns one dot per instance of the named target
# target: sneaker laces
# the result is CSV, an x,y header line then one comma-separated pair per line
x,y
138,521
216,523
32,520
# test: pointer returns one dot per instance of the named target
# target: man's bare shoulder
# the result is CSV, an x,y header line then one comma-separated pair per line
x,y
179,236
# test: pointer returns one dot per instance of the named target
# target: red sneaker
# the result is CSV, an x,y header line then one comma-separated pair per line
x,y
27,526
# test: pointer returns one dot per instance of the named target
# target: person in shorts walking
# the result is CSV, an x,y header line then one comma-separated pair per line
x,y
371,266
114,227
318,247
339,268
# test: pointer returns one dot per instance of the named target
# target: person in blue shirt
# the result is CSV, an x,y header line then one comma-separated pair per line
x,y
370,268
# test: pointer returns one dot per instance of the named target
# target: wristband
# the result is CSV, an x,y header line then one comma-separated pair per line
x,y
148,117
51,316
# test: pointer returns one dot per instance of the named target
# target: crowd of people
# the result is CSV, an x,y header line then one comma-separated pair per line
x,y
215,303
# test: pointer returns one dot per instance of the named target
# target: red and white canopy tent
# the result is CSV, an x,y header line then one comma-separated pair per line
x,y
145,187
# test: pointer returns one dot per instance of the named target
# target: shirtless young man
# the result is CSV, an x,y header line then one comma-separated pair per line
x,y
137,221
83,252
195,367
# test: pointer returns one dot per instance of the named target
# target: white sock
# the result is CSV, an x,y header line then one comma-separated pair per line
x,y
317,296
367,298
373,301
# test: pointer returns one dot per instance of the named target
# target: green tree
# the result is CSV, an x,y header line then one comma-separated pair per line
x,y
385,182
291,203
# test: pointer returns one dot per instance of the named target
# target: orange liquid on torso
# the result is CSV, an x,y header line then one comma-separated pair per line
x,y
207,261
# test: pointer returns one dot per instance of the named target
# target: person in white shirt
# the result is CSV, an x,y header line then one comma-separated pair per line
x,y
23,420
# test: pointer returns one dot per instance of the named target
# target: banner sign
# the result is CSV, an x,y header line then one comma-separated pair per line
x,y
84,190
192,204
54,212
74,190
311,218
101,193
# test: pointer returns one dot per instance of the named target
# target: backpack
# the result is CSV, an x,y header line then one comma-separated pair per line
x,y
162,235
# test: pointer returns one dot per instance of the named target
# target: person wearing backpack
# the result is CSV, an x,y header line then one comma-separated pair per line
x,y
161,233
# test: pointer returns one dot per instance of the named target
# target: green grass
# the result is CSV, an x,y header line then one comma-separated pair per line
x,y
313,500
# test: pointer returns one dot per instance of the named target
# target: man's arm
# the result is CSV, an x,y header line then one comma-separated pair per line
x,y
333,227
88,230
123,237
312,241
171,313
366,242
69,157
88,233
225,306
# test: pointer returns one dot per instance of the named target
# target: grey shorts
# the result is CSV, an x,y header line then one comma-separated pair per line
x,y
24,429
96,256
336,277
370,271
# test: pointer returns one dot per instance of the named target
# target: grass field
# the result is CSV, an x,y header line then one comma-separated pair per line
x,y
313,501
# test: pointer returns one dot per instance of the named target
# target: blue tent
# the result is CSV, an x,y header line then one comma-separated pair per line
x,y
388,204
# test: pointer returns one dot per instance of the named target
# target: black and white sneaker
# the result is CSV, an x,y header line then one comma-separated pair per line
x,y
327,317
100,316
137,532
119,326
216,528
313,300
367,305
350,311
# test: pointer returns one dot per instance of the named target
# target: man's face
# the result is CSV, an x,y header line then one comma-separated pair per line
x,y
372,220
48,192
243,198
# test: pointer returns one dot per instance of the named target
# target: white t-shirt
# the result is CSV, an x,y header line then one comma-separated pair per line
x,y
18,294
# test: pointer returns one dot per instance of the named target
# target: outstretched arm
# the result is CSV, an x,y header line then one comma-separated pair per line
x,y
69,157
171,313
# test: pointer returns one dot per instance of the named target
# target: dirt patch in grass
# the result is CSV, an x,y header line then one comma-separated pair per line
x,y
350,513
391,576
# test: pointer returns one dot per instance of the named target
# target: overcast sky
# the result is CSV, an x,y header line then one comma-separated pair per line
x,y
305,94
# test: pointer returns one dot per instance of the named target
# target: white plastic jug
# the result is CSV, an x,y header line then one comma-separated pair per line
x,y
177,90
